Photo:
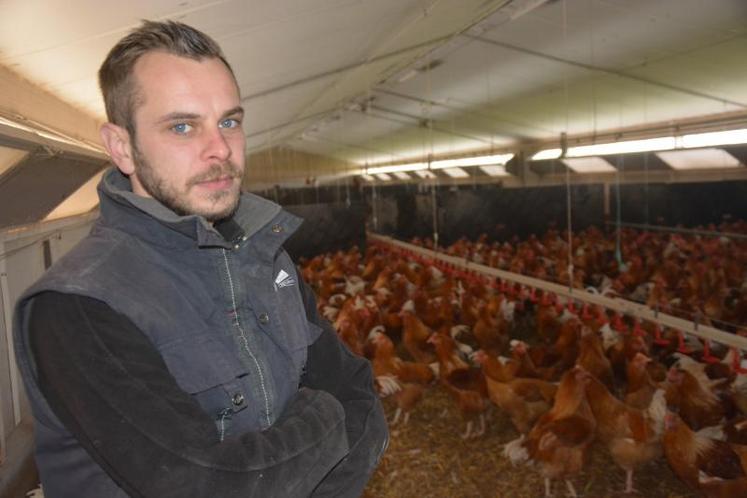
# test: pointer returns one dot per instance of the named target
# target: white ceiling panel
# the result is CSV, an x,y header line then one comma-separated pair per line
x,y
31,26
446,76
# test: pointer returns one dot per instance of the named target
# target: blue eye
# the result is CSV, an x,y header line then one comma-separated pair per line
x,y
230,123
182,128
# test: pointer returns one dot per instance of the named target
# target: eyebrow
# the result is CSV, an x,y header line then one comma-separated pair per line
x,y
176,116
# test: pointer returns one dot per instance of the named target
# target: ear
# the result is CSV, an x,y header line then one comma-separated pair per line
x,y
117,143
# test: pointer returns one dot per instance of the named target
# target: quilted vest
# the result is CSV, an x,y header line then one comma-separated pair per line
x,y
226,314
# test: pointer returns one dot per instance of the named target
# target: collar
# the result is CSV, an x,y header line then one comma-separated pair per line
x,y
122,208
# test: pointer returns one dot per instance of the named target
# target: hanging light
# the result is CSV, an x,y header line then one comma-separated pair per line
x,y
499,159
394,168
730,137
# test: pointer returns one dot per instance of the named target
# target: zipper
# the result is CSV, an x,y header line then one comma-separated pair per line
x,y
223,414
245,341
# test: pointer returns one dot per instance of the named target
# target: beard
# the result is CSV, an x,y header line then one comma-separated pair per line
x,y
221,204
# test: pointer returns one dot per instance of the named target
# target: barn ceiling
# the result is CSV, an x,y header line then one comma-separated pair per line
x,y
376,81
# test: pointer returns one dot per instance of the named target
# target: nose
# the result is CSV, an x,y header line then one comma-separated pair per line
x,y
216,146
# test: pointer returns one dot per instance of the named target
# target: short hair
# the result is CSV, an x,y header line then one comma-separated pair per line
x,y
121,95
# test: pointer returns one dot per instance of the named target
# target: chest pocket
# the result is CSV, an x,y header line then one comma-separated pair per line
x,y
220,384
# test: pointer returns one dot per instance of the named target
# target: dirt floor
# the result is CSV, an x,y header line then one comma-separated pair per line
x,y
428,459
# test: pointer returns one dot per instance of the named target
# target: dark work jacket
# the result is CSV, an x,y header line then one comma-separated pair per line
x,y
225,314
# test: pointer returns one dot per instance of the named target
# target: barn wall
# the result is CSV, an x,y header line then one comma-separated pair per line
x,y
25,252
406,211
326,228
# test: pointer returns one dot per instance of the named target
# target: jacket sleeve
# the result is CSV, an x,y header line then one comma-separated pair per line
x,y
331,367
111,389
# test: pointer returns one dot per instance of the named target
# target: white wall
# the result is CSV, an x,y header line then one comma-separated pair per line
x,y
21,264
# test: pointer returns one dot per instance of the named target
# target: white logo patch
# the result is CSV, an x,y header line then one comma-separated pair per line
x,y
284,280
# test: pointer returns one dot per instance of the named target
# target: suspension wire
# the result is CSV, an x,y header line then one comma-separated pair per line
x,y
618,214
569,214
374,201
645,186
434,212
564,150
434,184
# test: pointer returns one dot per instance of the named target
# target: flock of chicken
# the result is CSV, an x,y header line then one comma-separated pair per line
x,y
699,278
588,376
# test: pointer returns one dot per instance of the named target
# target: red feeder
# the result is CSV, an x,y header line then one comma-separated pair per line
x,y
618,324
681,346
533,295
559,307
572,307
545,301
585,313
737,365
601,315
707,356
638,330
658,339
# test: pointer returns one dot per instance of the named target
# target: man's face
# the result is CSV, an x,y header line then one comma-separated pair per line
x,y
188,152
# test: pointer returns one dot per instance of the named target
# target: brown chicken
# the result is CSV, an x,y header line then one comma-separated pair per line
x,y
702,463
405,395
524,400
415,336
640,389
385,362
489,332
466,384
559,442
699,407
714,487
498,368
404,381
632,436
592,358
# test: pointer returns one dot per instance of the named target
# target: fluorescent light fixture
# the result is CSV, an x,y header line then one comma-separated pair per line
x,y
456,172
494,170
393,168
402,175
499,159
699,159
589,165
547,154
650,144
368,178
425,174
15,124
714,138
50,134
408,75
383,177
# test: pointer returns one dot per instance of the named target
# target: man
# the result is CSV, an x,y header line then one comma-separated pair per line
x,y
175,352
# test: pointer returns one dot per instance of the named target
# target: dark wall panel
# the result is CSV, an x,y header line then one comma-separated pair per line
x,y
326,228
406,211
498,212
33,188
688,204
